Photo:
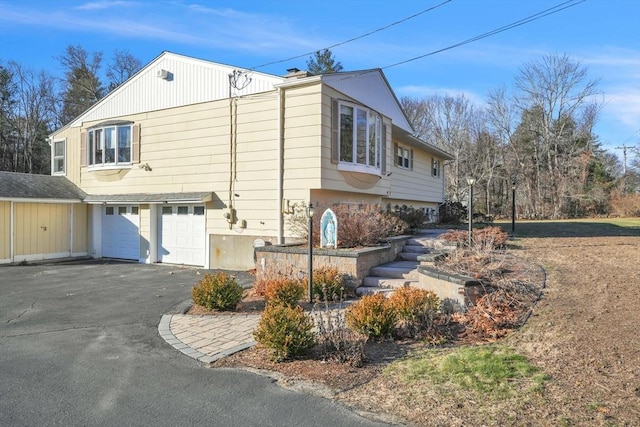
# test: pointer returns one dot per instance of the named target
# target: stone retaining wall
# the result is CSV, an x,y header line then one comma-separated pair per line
x,y
356,264
458,290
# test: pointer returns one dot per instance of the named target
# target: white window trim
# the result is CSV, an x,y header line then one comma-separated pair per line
x,y
116,164
435,162
409,157
354,166
54,157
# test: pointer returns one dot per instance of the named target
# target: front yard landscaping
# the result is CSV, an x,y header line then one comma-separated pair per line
x,y
574,362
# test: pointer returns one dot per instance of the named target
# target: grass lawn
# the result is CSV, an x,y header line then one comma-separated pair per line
x,y
591,227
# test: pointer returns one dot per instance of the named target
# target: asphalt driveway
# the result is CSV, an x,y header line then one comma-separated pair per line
x,y
79,345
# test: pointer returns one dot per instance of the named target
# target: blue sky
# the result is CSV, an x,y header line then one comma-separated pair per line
x,y
603,35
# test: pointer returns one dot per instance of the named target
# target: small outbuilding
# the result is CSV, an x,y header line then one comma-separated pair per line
x,y
41,217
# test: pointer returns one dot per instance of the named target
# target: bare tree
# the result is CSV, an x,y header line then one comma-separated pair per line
x,y
29,117
124,65
559,98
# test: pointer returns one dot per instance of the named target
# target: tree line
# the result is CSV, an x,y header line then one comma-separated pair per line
x,y
537,140
35,103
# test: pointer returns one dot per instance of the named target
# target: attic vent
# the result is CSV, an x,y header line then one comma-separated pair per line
x,y
164,74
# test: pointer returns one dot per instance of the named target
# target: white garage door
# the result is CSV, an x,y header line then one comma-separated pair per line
x,y
121,232
182,234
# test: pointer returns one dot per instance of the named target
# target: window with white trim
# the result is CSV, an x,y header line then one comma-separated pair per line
x,y
435,167
404,157
360,138
59,151
109,145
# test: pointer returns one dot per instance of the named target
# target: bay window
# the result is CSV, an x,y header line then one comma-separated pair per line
x,y
360,139
109,145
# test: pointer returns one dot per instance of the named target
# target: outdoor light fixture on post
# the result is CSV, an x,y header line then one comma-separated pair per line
x,y
513,207
310,212
470,181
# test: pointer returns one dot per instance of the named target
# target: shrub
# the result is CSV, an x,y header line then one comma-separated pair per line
x,y
285,330
217,291
365,225
490,237
484,238
284,291
339,343
459,237
358,225
452,212
328,284
264,277
625,205
415,218
416,308
372,316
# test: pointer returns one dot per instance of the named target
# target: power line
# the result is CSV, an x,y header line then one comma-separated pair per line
x,y
354,38
531,18
550,11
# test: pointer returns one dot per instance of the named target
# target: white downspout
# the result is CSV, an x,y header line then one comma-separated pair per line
x,y
280,166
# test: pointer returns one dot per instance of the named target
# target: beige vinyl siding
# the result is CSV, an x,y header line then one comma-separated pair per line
x,y
5,230
80,228
41,228
303,135
416,185
332,178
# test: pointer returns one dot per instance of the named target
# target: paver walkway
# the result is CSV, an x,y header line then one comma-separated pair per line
x,y
208,338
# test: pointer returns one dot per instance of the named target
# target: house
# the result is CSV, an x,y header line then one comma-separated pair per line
x,y
191,161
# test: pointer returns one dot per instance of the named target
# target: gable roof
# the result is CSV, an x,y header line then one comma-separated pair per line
x,y
174,80
372,88
14,185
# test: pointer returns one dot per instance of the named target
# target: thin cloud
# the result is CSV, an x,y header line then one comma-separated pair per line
x,y
102,5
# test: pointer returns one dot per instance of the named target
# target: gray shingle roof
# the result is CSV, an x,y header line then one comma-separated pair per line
x,y
14,185
196,197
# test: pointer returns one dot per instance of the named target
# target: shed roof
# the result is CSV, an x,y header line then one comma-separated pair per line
x,y
15,185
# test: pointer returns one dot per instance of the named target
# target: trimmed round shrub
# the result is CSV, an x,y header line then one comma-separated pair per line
x,y
328,284
285,330
284,291
217,292
416,308
372,316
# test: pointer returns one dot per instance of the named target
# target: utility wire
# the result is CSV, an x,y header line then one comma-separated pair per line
x,y
355,38
531,18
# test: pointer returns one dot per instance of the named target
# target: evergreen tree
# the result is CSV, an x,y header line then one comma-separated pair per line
x,y
323,63
83,87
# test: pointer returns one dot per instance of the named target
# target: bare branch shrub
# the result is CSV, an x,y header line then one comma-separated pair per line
x,y
339,342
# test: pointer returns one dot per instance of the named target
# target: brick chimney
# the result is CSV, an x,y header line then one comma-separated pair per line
x,y
295,73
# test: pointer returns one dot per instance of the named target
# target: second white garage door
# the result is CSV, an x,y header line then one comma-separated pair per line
x,y
181,230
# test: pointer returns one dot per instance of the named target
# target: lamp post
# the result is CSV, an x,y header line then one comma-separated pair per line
x,y
310,212
513,207
470,181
